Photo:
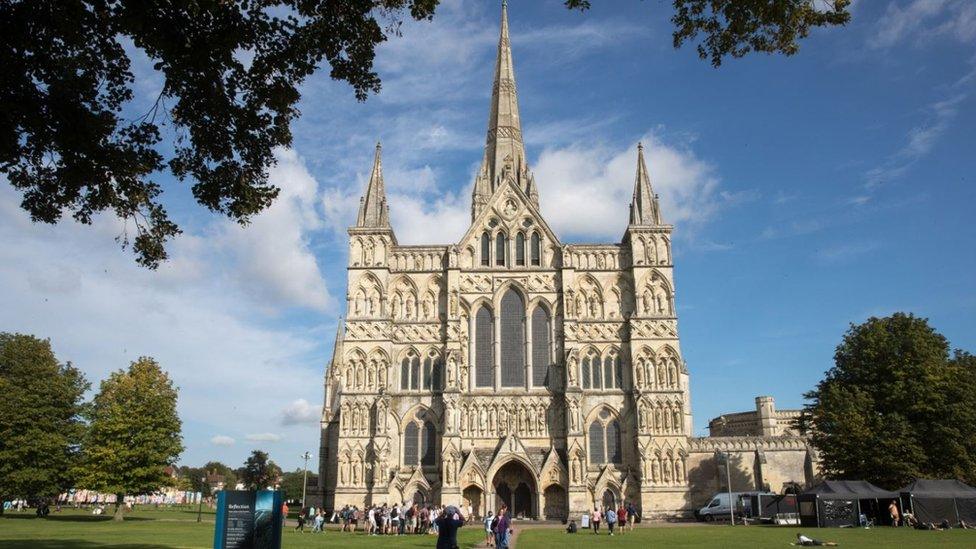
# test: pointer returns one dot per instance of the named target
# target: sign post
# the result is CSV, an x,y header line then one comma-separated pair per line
x,y
248,519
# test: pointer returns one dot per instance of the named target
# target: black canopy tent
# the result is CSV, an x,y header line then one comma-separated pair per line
x,y
937,500
842,502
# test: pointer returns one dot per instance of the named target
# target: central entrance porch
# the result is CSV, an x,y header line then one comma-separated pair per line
x,y
515,486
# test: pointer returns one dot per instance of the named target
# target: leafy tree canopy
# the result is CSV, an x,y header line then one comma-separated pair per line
x,y
291,483
259,472
134,433
231,74
40,418
895,406
218,468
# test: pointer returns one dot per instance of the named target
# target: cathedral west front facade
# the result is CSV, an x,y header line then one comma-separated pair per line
x,y
511,367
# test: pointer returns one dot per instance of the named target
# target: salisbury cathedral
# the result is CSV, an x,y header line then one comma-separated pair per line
x,y
510,367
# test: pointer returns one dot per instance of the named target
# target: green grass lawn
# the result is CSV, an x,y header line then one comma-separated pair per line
x,y
746,537
149,528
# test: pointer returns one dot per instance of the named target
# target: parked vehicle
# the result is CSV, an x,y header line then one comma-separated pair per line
x,y
720,507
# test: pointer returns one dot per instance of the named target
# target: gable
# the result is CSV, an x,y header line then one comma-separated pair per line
x,y
511,211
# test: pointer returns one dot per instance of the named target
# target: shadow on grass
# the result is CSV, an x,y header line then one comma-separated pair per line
x,y
73,518
75,544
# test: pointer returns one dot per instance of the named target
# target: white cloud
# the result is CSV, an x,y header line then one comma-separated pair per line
x,y
263,437
585,190
272,255
222,345
919,141
922,20
301,411
222,440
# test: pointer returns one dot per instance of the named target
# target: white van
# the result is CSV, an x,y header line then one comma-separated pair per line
x,y
719,508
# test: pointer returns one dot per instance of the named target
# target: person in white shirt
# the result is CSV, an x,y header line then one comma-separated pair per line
x,y
810,542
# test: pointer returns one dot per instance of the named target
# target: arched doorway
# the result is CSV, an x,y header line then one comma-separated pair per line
x,y
473,495
609,499
419,497
515,487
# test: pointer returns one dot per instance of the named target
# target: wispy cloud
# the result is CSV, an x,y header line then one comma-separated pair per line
x,y
846,251
920,21
263,437
301,411
222,440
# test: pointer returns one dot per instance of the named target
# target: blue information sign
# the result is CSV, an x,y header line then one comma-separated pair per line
x,y
248,519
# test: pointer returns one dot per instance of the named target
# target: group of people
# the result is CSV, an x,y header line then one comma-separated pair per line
x,y
376,520
617,520
498,529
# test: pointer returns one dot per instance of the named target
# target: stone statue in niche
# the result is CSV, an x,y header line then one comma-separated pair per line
x,y
370,252
571,370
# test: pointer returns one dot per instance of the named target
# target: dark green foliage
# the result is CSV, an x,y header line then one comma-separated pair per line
x,y
134,432
259,472
736,27
218,468
894,407
40,418
231,76
291,483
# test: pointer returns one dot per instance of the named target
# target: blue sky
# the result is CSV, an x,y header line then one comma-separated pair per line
x,y
807,193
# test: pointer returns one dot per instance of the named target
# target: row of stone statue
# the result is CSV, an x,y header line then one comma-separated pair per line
x,y
496,420
662,419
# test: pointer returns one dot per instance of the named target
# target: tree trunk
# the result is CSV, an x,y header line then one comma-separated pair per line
x,y
2,499
119,507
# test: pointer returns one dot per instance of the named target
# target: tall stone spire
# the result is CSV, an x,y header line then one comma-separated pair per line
x,y
644,209
504,152
373,209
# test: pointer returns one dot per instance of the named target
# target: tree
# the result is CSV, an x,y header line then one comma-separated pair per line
x,y
134,433
231,74
292,482
218,468
40,418
894,407
259,472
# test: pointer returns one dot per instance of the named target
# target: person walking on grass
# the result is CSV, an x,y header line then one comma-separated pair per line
x,y
489,529
502,529
631,516
621,519
595,519
301,523
611,518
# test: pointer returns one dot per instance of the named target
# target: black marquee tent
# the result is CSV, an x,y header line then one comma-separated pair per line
x,y
937,500
842,502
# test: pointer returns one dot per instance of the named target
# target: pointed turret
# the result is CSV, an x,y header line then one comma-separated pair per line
x,y
373,209
504,152
644,209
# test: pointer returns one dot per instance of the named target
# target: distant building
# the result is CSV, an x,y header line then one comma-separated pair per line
x,y
765,421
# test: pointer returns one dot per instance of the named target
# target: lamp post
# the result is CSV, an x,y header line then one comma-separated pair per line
x,y
306,456
203,484
726,457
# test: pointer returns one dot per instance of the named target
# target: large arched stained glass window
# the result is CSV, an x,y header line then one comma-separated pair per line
x,y
428,372
585,373
512,339
597,447
405,373
536,249
618,372
411,438
436,376
484,354
613,442
485,250
608,375
428,454
540,346
500,250
520,250
415,373
597,370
